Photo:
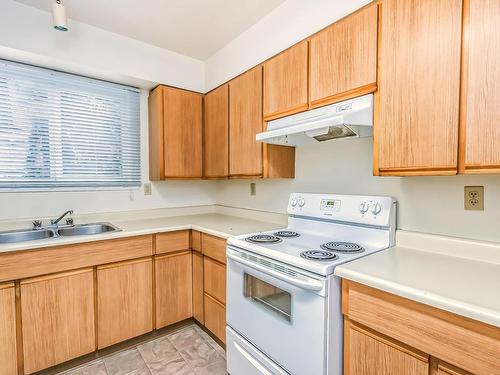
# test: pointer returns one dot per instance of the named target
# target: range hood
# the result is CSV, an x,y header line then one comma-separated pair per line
x,y
351,118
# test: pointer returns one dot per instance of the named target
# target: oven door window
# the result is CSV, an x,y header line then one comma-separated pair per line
x,y
269,296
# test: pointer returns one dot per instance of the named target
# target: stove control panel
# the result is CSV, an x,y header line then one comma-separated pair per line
x,y
371,210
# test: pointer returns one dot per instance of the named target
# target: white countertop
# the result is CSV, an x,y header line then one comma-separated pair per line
x,y
453,282
216,224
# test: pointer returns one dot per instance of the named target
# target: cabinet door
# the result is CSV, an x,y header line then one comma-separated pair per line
x,y
8,353
344,58
57,318
182,133
198,287
480,110
416,130
367,353
285,82
155,138
124,301
173,288
216,133
245,121
215,317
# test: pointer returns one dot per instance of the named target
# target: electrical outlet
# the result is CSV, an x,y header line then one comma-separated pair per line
x,y
474,198
253,188
147,188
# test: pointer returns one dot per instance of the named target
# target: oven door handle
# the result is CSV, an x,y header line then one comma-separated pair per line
x,y
304,282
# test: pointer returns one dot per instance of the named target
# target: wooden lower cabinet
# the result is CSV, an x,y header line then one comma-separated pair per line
x,y
442,368
173,288
214,247
57,318
8,353
198,312
388,334
124,301
214,279
215,317
368,353
171,242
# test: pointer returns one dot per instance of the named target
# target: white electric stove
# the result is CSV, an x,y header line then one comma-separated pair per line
x,y
283,301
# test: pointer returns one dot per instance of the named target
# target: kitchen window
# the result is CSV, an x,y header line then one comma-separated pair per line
x,y
59,130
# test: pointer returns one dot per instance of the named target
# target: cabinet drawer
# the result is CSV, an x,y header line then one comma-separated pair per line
x,y
463,342
196,241
214,279
214,247
172,241
215,317
24,264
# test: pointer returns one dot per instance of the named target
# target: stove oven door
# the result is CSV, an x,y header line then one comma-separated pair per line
x,y
279,310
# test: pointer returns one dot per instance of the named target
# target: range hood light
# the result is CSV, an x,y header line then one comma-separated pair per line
x,y
335,132
348,119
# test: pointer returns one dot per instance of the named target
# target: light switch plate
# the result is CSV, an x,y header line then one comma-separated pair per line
x,y
474,198
147,188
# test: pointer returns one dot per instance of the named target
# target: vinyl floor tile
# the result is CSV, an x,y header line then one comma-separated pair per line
x,y
186,351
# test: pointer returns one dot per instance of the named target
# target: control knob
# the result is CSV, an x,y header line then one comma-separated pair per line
x,y
376,208
363,207
302,202
294,202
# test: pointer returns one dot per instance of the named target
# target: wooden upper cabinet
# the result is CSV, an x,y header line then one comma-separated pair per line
x,y
480,116
343,58
245,121
285,82
8,353
416,129
216,133
57,318
175,133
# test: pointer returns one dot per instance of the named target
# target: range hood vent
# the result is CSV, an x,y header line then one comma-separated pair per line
x,y
348,119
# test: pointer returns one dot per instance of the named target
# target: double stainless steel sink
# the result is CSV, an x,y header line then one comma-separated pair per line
x,y
14,236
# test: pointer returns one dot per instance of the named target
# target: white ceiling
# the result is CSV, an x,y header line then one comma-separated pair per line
x,y
196,28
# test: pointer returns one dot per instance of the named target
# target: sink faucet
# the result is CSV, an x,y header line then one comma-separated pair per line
x,y
56,221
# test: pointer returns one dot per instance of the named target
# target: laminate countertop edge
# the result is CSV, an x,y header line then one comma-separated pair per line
x,y
436,285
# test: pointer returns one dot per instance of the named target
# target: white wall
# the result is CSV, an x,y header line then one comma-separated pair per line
x,y
289,23
426,204
26,35
164,194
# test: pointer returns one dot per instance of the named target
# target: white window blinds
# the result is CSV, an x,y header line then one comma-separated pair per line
x,y
63,130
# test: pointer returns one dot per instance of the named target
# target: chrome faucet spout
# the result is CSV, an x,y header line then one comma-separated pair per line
x,y
56,221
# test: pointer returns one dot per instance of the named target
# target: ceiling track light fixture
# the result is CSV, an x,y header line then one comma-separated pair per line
x,y
59,16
